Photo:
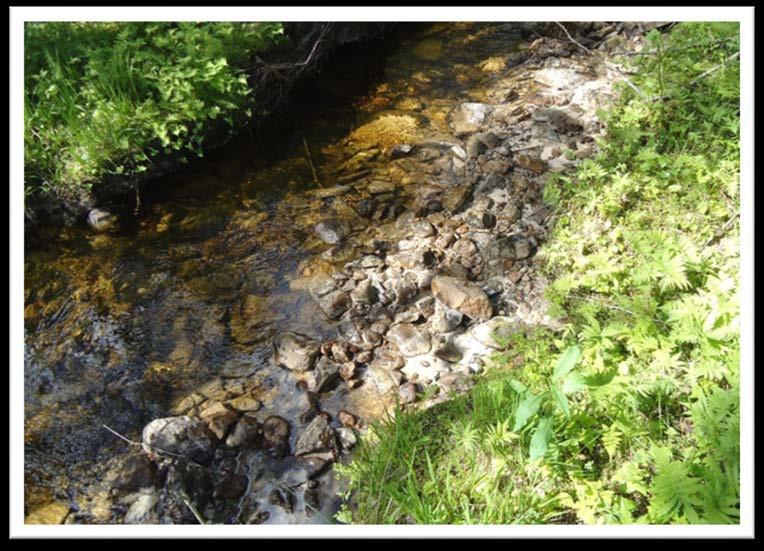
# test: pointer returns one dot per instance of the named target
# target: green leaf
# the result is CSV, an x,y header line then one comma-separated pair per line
x,y
526,410
518,387
573,383
566,362
561,400
541,438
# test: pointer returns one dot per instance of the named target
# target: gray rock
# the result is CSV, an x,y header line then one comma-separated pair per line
x,y
276,434
325,375
101,220
387,358
515,247
137,472
322,285
463,296
469,118
335,304
317,438
347,438
445,319
295,351
371,261
186,436
455,382
382,380
486,333
142,510
448,353
489,139
411,340
558,78
365,293
247,432
421,228
407,393
333,230
474,147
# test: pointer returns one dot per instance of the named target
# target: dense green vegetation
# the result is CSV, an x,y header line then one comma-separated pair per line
x,y
630,414
106,98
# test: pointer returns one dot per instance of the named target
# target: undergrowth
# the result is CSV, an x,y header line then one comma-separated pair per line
x,y
629,413
107,98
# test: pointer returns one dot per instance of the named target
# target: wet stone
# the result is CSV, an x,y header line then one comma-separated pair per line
x,y
247,433
469,118
142,510
325,375
276,435
218,417
186,436
137,472
232,486
513,247
333,231
346,438
284,500
401,150
378,187
335,304
245,404
295,351
317,438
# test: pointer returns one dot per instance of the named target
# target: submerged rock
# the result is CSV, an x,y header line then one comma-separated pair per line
x,y
469,118
295,351
276,435
463,296
183,435
335,304
333,231
248,432
325,375
218,417
101,220
318,437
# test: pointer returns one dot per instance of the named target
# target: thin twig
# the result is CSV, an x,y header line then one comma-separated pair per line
x,y
144,445
312,167
724,229
194,511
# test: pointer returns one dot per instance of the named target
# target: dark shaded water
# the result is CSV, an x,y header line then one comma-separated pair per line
x,y
122,325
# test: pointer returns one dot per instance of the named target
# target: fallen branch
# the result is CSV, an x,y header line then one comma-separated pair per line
x,y
312,166
724,229
143,445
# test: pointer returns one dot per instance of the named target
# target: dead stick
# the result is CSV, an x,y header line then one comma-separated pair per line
x,y
312,167
194,511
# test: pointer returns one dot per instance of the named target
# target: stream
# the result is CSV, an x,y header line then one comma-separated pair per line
x,y
332,232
